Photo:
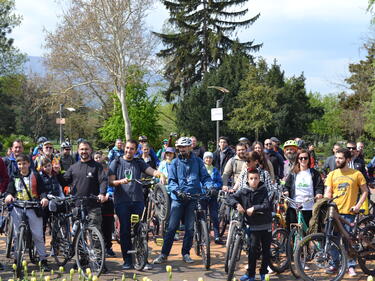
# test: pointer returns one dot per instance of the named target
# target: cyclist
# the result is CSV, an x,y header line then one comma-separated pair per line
x,y
258,147
28,185
348,183
47,152
290,152
252,200
147,157
128,195
10,161
187,174
38,148
161,151
275,157
213,205
168,157
66,159
234,166
276,146
246,142
116,151
222,154
302,183
356,162
330,163
143,140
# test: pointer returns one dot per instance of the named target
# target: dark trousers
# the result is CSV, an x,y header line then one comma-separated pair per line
x,y
124,212
107,228
213,206
291,217
264,238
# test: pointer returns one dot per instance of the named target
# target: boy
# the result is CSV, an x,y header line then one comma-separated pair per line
x,y
253,202
25,184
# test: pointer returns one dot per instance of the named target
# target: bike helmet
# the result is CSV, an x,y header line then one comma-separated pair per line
x,y
183,141
65,145
142,138
243,139
80,140
292,143
42,140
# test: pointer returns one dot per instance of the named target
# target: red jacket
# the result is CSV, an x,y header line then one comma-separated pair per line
x,y
4,177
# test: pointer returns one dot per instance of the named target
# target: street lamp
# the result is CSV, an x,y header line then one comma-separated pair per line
x,y
218,102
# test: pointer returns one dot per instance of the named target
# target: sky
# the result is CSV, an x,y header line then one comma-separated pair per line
x,y
319,38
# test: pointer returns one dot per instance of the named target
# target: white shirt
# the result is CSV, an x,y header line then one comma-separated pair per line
x,y
304,189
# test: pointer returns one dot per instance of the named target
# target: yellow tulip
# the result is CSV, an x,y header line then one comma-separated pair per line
x,y
47,278
123,277
24,263
267,277
370,278
14,266
88,270
95,278
168,268
33,279
200,279
61,269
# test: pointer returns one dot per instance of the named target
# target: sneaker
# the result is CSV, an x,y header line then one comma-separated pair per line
x,y
247,278
160,259
127,266
110,253
44,266
219,241
351,272
147,266
186,258
331,270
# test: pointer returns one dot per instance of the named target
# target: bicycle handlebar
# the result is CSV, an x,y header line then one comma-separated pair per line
x,y
26,204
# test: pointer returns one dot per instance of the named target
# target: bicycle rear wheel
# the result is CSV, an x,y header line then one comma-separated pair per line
x,y
279,261
318,257
61,241
230,242
366,257
205,244
20,254
293,240
223,218
235,255
9,239
90,250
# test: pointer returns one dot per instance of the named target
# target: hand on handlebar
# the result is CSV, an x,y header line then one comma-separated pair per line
x,y
318,196
124,181
250,211
9,199
102,198
44,202
181,195
240,209
355,209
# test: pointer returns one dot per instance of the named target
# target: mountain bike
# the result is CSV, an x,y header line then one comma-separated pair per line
x,y
138,238
24,237
318,252
224,212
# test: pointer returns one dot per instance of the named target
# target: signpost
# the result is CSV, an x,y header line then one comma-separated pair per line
x,y
217,115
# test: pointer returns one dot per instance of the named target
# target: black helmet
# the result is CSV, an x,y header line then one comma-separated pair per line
x,y
42,140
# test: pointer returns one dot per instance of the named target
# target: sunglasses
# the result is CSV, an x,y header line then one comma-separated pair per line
x,y
351,147
303,158
269,143
49,147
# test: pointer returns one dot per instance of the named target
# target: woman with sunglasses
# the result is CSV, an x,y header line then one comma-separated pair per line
x,y
303,183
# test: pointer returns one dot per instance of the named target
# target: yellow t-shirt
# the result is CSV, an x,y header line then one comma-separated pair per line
x,y
348,183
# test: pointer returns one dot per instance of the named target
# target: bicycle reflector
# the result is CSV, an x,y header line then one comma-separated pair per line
x,y
134,218
159,241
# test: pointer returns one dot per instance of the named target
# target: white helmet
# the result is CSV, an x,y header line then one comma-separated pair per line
x,y
183,141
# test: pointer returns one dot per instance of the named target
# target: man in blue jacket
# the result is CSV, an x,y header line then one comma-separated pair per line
x,y
186,174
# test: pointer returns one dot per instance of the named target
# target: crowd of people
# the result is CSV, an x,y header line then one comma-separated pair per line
x,y
249,171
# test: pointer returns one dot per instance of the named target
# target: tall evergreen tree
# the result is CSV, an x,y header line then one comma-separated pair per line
x,y
201,38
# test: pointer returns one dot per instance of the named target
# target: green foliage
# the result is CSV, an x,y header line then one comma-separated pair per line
x,y
200,39
143,113
11,59
7,141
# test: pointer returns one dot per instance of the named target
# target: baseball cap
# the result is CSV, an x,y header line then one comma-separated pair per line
x,y
275,139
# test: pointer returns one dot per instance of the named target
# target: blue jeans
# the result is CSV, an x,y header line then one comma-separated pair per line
x,y
213,206
124,212
179,210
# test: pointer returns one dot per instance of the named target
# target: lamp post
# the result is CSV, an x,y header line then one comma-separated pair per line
x,y
60,122
218,102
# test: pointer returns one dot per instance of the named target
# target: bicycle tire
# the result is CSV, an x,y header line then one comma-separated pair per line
x,y
368,235
196,242
293,239
223,220
9,238
61,242
205,245
236,252
21,245
141,247
162,206
33,253
278,249
229,244
87,245
319,258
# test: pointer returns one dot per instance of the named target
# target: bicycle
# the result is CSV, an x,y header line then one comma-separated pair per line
x,y
7,228
297,231
224,212
201,233
317,252
138,238
24,237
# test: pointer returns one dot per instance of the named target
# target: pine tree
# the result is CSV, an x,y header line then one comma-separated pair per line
x,y
201,38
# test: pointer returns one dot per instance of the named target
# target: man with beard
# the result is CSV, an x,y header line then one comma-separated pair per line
x,y
186,174
10,161
290,152
234,166
351,185
356,162
47,152
330,163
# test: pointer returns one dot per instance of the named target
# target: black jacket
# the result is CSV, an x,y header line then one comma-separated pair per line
x,y
262,217
220,163
359,164
318,184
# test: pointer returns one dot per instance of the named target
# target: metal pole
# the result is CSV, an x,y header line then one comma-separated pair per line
x,y
61,128
217,125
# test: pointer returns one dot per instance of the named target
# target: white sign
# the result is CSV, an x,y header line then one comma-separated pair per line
x,y
217,114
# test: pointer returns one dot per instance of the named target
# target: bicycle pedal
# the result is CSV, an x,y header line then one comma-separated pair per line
x,y
159,241
134,218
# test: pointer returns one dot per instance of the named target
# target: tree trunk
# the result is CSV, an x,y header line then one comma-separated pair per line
x,y
125,113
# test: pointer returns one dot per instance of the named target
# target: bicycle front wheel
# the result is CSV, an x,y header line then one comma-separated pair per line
x,y
90,250
367,256
162,204
20,254
235,255
61,242
9,239
141,247
205,244
318,257
293,240
279,261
